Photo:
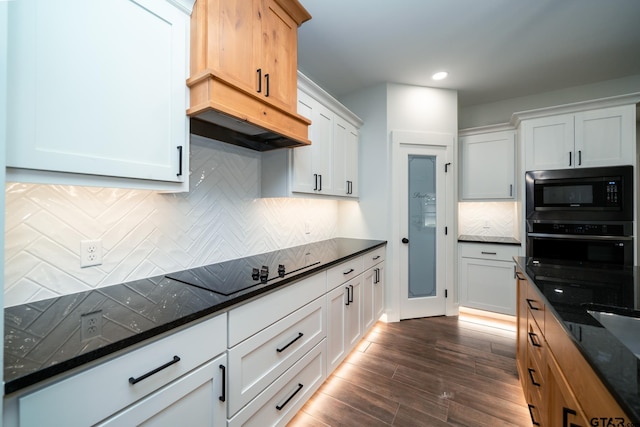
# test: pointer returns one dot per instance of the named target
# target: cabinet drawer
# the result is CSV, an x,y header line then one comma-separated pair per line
x,y
374,257
259,360
268,309
282,399
488,251
344,272
536,345
105,389
535,307
534,376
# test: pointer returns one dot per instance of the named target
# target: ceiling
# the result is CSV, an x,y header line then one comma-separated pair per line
x,y
492,49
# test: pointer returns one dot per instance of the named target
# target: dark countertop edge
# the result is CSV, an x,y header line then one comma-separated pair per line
x,y
465,238
521,263
51,371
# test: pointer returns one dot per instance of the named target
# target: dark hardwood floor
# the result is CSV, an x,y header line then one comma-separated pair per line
x,y
439,371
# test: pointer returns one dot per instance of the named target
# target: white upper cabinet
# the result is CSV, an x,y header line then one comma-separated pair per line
x,y
488,165
599,137
327,167
97,91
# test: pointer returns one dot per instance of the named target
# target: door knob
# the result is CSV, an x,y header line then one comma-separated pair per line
x,y
405,240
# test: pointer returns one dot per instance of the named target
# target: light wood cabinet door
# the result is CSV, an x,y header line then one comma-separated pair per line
x,y
278,57
562,406
488,166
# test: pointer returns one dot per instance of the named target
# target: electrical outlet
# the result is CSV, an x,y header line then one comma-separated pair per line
x,y
91,325
90,253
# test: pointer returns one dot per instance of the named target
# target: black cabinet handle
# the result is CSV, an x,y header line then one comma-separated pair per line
x,y
179,160
320,176
279,407
376,257
223,397
510,190
533,381
488,253
534,342
280,350
315,177
259,71
132,380
348,297
533,420
376,276
531,306
405,240
529,301
579,157
351,297
565,417
266,79
348,271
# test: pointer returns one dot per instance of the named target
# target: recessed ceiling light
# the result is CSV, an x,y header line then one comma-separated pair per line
x,y
440,75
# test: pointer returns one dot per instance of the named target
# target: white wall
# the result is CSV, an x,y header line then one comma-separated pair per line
x,y
146,233
500,112
386,108
3,126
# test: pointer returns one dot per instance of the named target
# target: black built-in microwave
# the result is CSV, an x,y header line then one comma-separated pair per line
x,y
581,194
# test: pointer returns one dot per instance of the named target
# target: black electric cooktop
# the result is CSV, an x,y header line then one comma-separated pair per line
x,y
230,277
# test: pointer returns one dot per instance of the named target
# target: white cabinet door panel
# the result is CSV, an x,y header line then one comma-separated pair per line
x,y
549,142
488,285
98,88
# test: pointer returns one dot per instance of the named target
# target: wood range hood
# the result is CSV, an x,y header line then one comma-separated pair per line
x,y
243,83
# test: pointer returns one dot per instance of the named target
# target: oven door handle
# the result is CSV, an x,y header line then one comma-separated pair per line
x,y
579,236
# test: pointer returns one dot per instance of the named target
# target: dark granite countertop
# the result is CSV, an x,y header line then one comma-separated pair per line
x,y
43,338
568,291
488,239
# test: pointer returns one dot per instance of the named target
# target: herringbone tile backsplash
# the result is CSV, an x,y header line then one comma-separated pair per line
x,y
146,233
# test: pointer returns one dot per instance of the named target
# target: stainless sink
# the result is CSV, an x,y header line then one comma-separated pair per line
x,y
624,325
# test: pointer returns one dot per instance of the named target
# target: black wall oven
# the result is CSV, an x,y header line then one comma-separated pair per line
x,y
581,217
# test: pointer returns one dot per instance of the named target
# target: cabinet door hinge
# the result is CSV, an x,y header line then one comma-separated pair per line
x,y
446,167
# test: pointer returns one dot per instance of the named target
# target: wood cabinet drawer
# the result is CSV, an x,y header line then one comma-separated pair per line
x,y
250,318
282,399
107,388
535,307
259,360
534,376
374,257
488,251
344,272
536,345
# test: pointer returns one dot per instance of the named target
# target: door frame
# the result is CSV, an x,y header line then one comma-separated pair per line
x,y
437,139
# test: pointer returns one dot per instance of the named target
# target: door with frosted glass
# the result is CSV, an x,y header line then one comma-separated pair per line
x,y
423,253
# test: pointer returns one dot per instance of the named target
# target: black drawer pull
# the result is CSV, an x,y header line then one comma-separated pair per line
x,y
529,301
279,407
565,417
179,147
348,272
132,380
533,381
280,350
533,420
488,253
376,257
223,397
534,341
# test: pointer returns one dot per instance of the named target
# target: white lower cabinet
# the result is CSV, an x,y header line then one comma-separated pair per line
x,y
486,277
258,361
372,295
127,391
283,398
197,399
